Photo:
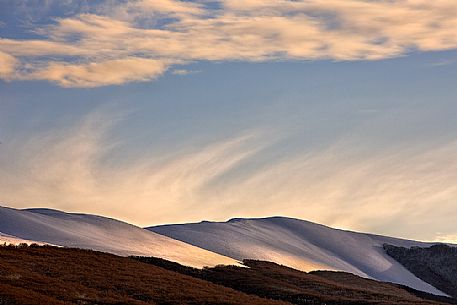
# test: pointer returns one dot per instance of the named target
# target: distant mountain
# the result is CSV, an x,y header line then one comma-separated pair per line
x,y
436,265
301,245
100,233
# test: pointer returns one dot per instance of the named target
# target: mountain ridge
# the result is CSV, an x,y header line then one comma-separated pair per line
x,y
100,233
237,219
302,245
292,242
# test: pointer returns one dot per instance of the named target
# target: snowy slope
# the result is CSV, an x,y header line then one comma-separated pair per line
x,y
300,244
102,234
13,240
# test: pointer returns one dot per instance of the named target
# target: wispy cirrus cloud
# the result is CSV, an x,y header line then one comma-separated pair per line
x,y
184,72
401,191
173,31
447,238
64,169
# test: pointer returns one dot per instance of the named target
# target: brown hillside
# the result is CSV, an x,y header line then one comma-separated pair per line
x,y
50,275
274,281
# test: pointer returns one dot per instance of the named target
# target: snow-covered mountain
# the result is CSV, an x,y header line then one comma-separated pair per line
x,y
99,233
296,243
300,244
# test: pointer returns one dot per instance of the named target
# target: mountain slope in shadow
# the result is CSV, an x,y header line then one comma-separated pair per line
x,y
436,265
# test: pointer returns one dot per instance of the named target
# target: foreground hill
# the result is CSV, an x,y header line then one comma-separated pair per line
x,y
436,265
100,233
57,276
301,245
271,280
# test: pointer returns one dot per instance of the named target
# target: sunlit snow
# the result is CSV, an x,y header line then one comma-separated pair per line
x,y
102,234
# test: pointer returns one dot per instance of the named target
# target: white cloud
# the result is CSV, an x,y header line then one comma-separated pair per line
x,y
179,31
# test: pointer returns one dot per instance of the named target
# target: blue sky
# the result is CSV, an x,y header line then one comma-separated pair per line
x,y
357,132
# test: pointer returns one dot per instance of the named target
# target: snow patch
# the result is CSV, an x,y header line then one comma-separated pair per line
x,y
6,239
101,234
301,245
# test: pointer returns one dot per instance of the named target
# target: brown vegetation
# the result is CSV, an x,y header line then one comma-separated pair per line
x,y
50,275
271,280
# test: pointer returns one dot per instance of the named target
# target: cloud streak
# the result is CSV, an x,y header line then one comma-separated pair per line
x,y
95,74
403,191
64,169
178,32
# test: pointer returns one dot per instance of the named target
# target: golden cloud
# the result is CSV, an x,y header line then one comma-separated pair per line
x,y
7,66
252,30
110,72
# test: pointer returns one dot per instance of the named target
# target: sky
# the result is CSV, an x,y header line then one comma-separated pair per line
x,y
167,111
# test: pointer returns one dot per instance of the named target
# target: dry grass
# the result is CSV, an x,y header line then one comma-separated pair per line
x,y
271,280
49,275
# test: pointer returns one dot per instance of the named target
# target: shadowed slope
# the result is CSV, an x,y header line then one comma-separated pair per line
x,y
436,265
